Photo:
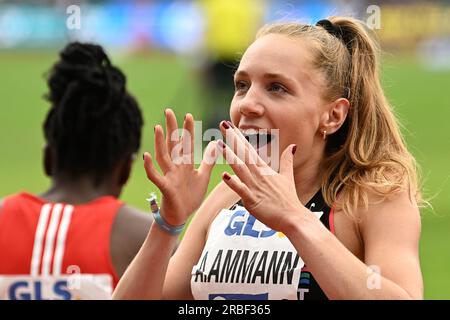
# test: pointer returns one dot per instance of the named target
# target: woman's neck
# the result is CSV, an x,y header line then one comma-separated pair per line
x,y
307,180
77,191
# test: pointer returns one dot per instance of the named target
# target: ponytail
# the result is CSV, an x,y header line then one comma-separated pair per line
x,y
368,153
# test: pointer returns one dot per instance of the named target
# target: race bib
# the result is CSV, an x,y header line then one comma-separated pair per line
x,y
63,287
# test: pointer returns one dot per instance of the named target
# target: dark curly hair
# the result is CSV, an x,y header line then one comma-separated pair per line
x,y
93,123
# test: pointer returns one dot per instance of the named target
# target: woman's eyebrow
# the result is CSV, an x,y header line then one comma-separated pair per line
x,y
278,76
241,73
292,83
270,75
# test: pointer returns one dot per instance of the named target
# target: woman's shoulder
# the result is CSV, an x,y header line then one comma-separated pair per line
x,y
392,210
378,214
399,202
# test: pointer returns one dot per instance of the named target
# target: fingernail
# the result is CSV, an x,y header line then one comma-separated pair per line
x,y
294,149
221,144
226,176
230,124
225,125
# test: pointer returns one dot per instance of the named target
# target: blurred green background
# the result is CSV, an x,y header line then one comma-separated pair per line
x,y
421,100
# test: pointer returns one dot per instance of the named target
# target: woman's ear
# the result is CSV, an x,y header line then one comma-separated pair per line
x,y
335,116
125,171
48,160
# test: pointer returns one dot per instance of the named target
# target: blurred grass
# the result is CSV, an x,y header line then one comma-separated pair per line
x,y
421,100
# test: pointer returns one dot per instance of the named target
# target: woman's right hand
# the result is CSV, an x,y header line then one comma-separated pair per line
x,y
183,187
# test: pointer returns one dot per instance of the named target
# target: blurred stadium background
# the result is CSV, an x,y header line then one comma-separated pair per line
x,y
174,53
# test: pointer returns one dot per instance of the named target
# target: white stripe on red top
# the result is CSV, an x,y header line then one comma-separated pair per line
x,y
61,240
45,238
38,239
50,239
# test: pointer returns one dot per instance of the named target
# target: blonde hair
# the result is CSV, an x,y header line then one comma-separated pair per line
x,y
368,153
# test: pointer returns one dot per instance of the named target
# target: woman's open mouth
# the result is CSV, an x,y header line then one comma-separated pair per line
x,y
258,138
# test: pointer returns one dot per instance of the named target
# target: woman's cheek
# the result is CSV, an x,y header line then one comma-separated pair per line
x,y
234,113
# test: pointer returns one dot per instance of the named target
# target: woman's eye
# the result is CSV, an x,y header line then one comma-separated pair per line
x,y
240,86
276,87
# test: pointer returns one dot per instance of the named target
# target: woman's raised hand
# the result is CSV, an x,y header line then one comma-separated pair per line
x,y
183,187
268,195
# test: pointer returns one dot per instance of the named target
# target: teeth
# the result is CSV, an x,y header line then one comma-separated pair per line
x,y
259,140
249,132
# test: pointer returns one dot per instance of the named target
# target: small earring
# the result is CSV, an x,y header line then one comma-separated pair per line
x,y
324,134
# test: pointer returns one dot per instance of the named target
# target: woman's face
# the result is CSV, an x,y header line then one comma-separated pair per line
x,y
277,88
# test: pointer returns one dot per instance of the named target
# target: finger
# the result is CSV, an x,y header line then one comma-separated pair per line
x,y
234,142
161,155
257,166
152,174
187,140
237,186
287,161
251,149
236,164
209,159
172,137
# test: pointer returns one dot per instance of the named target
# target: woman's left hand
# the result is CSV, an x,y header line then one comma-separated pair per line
x,y
269,196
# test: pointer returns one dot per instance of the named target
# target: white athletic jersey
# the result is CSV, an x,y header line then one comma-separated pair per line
x,y
244,259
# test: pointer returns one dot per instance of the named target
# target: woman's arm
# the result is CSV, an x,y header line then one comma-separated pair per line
x,y
178,281
129,231
183,188
144,278
155,253
390,232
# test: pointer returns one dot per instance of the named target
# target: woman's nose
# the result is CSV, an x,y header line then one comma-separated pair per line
x,y
251,106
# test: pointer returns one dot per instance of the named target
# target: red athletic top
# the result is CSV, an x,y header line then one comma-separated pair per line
x,y
39,238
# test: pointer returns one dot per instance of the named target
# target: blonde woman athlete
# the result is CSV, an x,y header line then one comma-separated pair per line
x,y
339,217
